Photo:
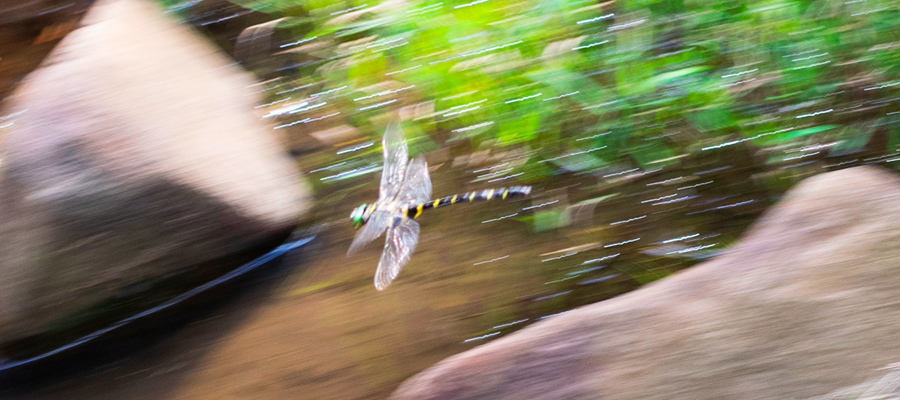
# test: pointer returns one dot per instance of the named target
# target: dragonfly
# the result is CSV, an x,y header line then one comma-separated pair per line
x,y
404,194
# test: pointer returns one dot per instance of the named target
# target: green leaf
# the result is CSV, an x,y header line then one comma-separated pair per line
x,y
653,156
567,82
269,6
579,162
790,135
712,119
891,123
363,26
851,140
630,78
519,130
661,79
547,220
535,170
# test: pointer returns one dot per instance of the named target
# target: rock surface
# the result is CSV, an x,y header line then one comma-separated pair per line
x,y
134,154
806,304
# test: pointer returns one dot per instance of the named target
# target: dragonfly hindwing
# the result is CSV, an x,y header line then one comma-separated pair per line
x,y
400,243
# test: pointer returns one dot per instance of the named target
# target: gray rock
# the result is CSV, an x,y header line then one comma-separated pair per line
x,y
134,154
805,305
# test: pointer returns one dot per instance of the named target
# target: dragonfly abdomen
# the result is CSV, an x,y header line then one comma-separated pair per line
x,y
415,210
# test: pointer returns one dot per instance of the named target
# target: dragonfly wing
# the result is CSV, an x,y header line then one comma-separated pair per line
x,y
396,156
417,186
374,227
400,243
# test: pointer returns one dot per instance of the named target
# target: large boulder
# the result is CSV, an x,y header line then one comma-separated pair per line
x,y
133,154
806,304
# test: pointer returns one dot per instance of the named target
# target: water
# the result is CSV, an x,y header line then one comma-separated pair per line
x,y
319,329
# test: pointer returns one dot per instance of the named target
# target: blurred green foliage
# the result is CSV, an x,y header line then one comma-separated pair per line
x,y
588,85
653,131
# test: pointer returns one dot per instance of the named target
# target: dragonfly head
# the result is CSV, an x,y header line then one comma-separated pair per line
x,y
358,216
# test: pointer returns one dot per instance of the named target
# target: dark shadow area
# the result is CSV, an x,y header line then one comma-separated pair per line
x,y
133,342
29,31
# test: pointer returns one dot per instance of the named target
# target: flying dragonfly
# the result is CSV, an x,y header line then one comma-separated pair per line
x,y
405,192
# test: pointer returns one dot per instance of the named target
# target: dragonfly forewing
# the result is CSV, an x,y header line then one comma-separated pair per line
x,y
396,156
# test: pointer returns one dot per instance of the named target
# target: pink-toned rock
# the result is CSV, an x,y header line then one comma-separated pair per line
x,y
134,154
806,304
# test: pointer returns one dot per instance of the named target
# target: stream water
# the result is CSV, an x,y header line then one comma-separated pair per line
x,y
317,328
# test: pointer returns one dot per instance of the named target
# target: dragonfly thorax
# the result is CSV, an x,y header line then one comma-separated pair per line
x,y
361,215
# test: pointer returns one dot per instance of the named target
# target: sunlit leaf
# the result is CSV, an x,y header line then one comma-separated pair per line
x,y
786,136
667,77
712,119
579,88
551,219
653,156
579,162
519,130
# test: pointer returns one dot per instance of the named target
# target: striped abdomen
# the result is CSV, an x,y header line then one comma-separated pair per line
x,y
415,210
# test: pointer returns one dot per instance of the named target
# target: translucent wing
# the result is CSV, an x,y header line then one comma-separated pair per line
x,y
374,227
395,158
401,241
417,186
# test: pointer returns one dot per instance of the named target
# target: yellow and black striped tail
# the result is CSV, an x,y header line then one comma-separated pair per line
x,y
415,210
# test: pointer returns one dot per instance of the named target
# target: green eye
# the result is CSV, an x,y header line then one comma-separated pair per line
x,y
357,216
